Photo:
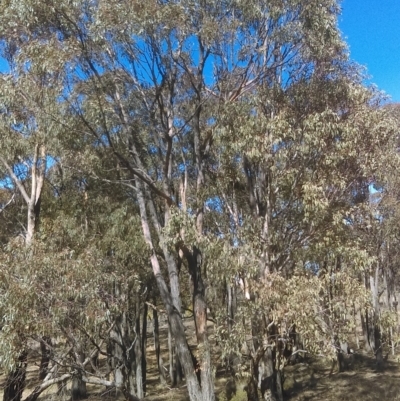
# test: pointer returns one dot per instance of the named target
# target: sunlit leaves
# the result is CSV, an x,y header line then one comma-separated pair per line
x,y
247,114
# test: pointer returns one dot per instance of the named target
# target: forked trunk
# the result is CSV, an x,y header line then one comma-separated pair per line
x,y
174,316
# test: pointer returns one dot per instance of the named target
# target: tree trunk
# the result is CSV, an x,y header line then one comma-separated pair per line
x,y
364,325
156,334
200,316
15,382
138,351
374,329
78,387
267,361
340,359
266,375
174,316
177,370
279,384
378,347
171,354
144,346
175,367
251,390
232,361
117,360
34,200
185,356
45,344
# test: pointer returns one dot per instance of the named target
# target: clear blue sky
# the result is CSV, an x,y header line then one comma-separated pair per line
x,y
372,30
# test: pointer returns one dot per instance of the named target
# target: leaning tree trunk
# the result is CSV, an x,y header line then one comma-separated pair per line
x,y
170,300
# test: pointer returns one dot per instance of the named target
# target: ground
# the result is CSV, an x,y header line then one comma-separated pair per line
x,y
310,380
313,381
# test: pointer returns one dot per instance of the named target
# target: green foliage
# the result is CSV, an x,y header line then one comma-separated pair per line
x,y
239,128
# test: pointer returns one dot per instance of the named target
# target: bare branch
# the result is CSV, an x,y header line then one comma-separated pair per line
x,y
16,180
8,203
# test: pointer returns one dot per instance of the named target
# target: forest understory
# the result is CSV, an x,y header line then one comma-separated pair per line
x,y
311,378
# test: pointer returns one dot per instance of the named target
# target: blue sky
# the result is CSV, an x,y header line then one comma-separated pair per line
x,y
372,30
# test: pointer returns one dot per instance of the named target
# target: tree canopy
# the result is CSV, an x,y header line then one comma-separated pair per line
x,y
218,157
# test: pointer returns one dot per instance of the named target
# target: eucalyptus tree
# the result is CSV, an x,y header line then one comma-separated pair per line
x,y
378,230
87,288
23,160
236,128
288,183
29,143
291,160
101,308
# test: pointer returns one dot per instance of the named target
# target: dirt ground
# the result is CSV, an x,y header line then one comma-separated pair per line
x,y
310,380
313,381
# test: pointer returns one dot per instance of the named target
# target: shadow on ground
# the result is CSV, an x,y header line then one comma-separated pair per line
x,y
314,381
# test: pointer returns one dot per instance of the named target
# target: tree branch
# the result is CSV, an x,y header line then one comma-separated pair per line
x,y
16,180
